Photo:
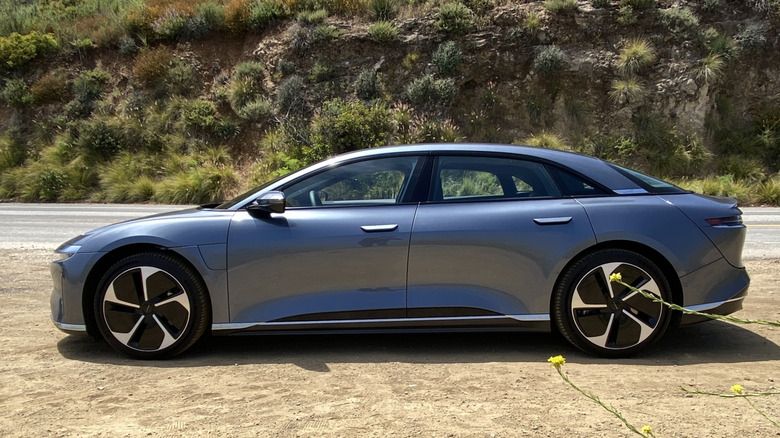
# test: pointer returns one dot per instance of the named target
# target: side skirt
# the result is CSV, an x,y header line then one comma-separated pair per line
x,y
537,322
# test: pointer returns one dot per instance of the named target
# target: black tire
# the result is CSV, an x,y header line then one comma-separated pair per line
x,y
151,306
606,319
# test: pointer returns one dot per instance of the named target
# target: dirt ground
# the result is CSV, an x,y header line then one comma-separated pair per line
x,y
476,385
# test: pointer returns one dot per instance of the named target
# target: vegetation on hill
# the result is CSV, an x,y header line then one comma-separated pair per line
x,y
192,101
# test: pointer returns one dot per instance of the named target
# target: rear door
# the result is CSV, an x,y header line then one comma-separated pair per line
x,y
491,240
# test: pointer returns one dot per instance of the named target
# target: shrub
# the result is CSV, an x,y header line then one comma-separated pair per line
x,y
308,18
101,138
768,192
638,4
741,168
710,5
301,37
343,127
550,62
250,70
429,93
720,44
454,17
264,13
600,4
626,90
752,37
17,94
429,130
325,33
44,182
626,16
290,98
89,84
180,78
383,10
547,141
197,185
635,56
241,91
367,84
237,15
151,66
681,22
13,152
213,14
710,68
447,57
561,6
257,110
198,114
383,32
17,50
170,24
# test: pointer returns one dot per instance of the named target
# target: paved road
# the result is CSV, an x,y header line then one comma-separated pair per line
x,y
48,225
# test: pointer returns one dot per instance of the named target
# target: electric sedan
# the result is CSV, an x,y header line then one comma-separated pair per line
x,y
413,238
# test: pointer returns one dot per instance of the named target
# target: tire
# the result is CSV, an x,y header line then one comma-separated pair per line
x,y
607,319
151,306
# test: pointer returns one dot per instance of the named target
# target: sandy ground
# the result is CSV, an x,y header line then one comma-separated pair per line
x,y
478,385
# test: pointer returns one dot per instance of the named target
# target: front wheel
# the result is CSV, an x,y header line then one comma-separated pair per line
x,y
607,319
151,306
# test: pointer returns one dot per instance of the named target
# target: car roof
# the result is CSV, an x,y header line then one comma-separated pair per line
x,y
593,168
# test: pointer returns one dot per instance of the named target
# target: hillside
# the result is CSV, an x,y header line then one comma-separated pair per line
x,y
190,102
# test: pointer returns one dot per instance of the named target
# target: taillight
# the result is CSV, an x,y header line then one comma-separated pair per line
x,y
727,221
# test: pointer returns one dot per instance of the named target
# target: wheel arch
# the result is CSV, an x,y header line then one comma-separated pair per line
x,y
656,257
106,261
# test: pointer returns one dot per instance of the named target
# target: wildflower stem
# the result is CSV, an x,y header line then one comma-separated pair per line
x,y
763,414
672,306
595,399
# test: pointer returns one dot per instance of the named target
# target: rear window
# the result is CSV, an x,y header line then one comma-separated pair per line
x,y
652,185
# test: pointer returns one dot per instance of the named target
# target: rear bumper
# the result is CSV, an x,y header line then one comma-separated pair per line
x,y
719,308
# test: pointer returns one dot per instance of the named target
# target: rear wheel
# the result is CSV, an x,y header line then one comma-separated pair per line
x,y
607,319
151,306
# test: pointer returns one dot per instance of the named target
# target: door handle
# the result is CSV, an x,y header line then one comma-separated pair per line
x,y
553,220
378,228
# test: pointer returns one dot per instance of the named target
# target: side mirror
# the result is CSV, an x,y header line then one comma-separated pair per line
x,y
267,203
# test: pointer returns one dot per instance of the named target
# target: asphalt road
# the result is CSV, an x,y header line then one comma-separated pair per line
x,y
45,226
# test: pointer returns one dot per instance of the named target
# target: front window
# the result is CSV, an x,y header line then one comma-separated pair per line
x,y
370,182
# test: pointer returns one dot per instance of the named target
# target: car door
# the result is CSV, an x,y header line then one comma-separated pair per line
x,y
338,252
491,240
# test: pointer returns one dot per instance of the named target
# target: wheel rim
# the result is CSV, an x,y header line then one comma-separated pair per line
x,y
146,309
612,316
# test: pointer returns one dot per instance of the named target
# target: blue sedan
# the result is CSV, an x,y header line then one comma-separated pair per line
x,y
413,238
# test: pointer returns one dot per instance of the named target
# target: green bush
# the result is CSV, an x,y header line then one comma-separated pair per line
x,y
384,10
547,141
180,78
561,6
741,168
17,94
321,71
367,84
308,18
170,24
752,37
383,32
347,126
256,111
324,33
626,16
600,4
198,114
638,4
454,17
768,192
290,98
635,56
550,62
208,177
428,93
101,138
264,13
13,151
249,70
681,22
430,130
710,68
17,50
447,57
213,14
627,90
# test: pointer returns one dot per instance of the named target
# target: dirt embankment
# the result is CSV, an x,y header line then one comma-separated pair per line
x,y
477,385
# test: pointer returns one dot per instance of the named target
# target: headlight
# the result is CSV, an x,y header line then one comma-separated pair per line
x,y
65,252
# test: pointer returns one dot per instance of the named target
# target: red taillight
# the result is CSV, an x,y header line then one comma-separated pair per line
x,y
728,221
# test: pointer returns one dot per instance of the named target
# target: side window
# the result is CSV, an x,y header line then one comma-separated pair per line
x,y
459,178
573,185
378,181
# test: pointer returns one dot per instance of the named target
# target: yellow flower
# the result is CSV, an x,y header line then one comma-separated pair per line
x,y
737,389
647,430
615,277
557,361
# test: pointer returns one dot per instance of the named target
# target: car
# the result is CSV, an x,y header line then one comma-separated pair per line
x,y
448,237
